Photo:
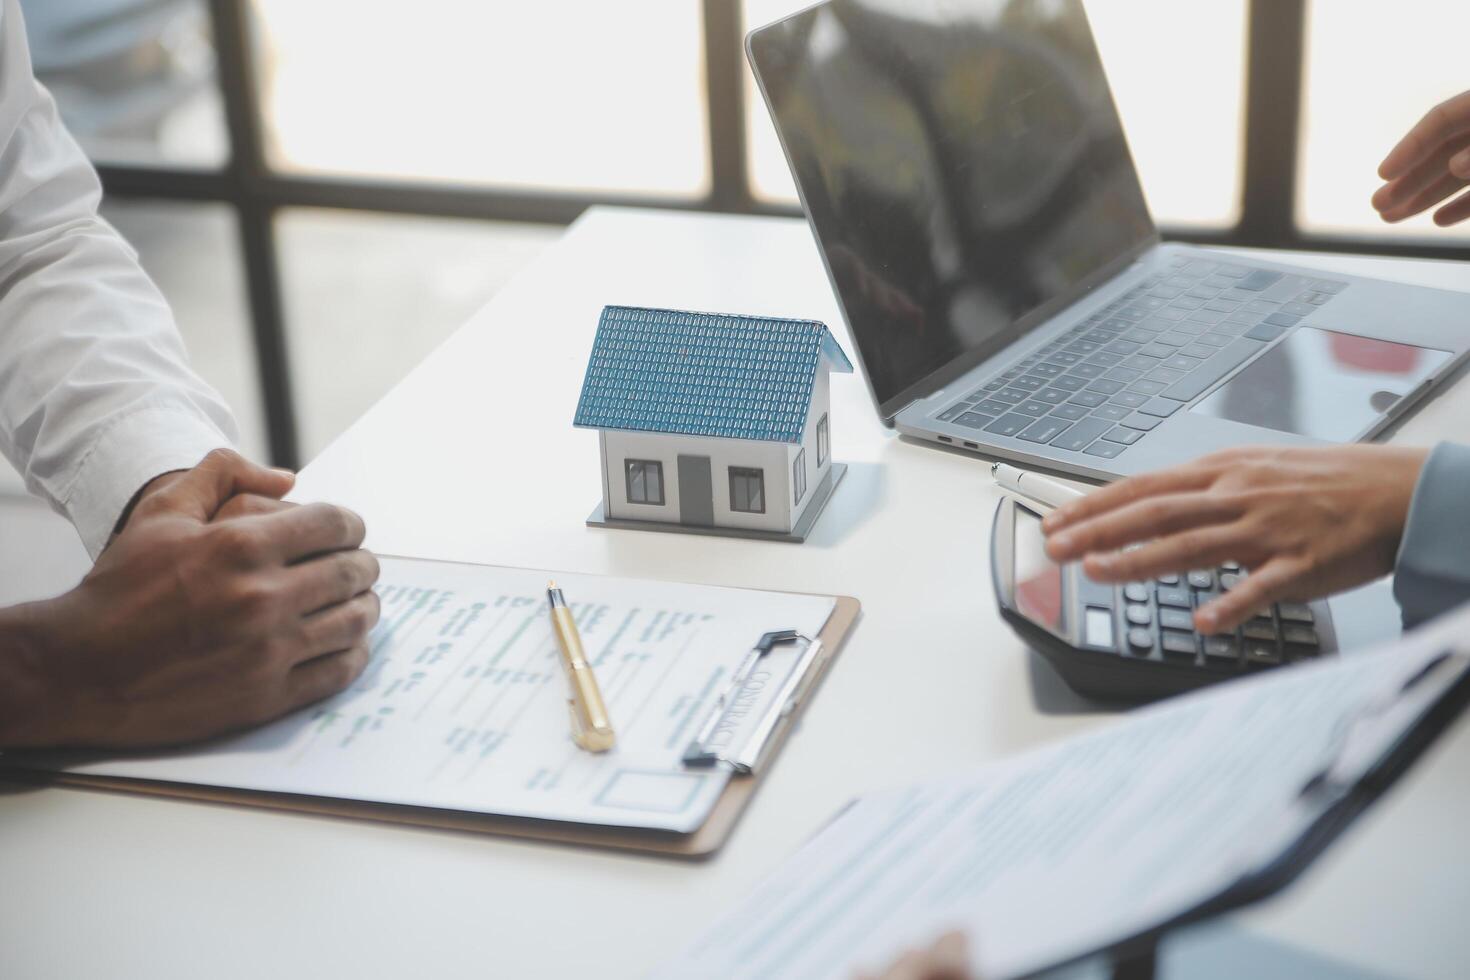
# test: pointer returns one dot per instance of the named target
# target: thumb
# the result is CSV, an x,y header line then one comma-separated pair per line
x,y
218,477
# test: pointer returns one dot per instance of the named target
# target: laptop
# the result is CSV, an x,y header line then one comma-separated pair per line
x,y
966,176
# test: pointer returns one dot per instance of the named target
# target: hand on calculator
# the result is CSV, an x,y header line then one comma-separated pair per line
x,y
1307,522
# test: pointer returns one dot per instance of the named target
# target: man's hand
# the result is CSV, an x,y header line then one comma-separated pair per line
x,y
1306,522
186,629
1428,165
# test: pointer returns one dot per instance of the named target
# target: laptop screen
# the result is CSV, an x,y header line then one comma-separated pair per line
x,y
963,167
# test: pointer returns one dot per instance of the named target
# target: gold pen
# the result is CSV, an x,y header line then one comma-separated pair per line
x,y
591,728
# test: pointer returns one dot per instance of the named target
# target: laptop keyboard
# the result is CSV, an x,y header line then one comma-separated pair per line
x,y
1160,624
1107,382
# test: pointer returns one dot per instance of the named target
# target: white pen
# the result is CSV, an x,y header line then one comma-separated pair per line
x,y
1032,485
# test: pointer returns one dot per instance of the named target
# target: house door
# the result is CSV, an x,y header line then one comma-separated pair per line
x,y
696,491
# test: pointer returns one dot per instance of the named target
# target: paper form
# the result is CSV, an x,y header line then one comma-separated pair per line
x,y
464,702
1067,849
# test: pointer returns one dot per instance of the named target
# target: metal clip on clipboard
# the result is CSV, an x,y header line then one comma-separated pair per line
x,y
712,746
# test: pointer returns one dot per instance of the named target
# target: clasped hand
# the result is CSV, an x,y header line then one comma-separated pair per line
x,y
216,608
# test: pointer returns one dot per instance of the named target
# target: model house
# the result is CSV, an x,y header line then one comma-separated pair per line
x,y
711,422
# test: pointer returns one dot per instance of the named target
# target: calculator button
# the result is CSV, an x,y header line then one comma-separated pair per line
x,y
1230,566
1201,579
1138,615
1097,627
1169,579
1299,634
1259,629
1141,639
1295,612
1221,648
1176,619
1173,597
1261,654
1229,580
1177,644
1136,592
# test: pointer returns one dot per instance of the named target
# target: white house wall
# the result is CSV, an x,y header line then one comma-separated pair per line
x,y
772,457
814,474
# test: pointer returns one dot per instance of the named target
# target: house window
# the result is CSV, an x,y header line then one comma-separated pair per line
x,y
824,440
747,490
798,477
645,481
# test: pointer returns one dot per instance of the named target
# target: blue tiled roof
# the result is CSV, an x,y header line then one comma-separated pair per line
x,y
704,374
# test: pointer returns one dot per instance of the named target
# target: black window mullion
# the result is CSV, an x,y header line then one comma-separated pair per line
x,y
247,173
725,82
1276,48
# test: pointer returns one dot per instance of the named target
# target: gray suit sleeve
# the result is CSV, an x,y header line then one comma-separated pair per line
x,y
1432,574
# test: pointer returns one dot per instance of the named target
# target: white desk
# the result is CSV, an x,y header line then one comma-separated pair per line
x,y
473,457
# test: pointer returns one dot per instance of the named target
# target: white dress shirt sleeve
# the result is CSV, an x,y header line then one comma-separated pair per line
x,y
96,395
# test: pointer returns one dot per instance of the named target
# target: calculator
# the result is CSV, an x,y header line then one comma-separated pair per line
x,y
1137,642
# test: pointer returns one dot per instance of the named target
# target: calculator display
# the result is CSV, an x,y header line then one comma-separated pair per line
x,y
1038,589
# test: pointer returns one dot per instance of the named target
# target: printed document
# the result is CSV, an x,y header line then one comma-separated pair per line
x,y
464,703
1073,847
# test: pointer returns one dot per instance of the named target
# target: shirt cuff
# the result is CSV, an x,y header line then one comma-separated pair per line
x,y
128,454
1432,574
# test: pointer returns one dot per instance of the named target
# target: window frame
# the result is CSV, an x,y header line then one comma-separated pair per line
x,y
798,477
755,473
824,440
629,463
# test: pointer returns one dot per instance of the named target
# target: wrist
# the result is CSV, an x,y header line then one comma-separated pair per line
x,y
159,482
33,707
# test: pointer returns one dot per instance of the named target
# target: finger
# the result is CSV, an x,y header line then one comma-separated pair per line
x,y
1422,175
341,626
201,491
1454,212
1439,124
326,581
1437,191
951,957
1196,548
1151,517
311,529
1460,164
1253,593
909,966
1191,476
250,505
323,676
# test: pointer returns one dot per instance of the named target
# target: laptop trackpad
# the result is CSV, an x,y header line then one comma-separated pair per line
x,y
1323,384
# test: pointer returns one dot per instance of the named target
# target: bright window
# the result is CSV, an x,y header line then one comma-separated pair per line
x,y
798,477
1369,77
567,96
824,447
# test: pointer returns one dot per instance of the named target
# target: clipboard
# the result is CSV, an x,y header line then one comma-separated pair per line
x,y
1135,955
701,843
